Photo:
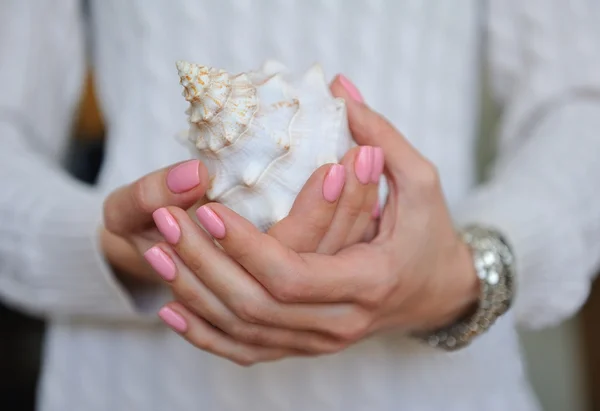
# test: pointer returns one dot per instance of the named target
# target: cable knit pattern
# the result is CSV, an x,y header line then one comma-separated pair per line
x,y
416,62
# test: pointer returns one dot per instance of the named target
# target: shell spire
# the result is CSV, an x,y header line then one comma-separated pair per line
x,y
261,134
212,95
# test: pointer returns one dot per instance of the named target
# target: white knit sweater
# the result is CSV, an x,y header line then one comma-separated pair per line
x,y
416,62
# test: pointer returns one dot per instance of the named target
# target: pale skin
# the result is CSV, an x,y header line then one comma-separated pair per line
x,y
325,277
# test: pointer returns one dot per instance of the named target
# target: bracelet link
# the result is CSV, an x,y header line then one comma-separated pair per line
x,y
494,263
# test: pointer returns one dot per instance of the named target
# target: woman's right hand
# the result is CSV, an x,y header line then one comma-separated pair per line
x,y
333,210
129,229
313,224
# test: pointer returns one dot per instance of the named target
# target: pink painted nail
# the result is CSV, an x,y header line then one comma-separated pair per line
x,y
376,210
363,164
211,222
167,225
378,163
184,177
334,182
161,262
351,88
172,319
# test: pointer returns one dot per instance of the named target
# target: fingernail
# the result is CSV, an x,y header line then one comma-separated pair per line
x,y
351,88
172,319
378,163
167,225
211,222
376,210
161,262
334,183
184,177
363,164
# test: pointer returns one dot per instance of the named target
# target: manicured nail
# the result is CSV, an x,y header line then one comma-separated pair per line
x,y
351,88
377,164
364,164
184,177
167,225
334,182
376,210
161,262
172,319
211,222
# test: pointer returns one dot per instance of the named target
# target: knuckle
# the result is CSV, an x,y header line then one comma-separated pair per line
x,y
142,195
352,209
245,359
242,362
205,344
327,347
354,329
245,247
190,297
111,217
427,177
249,334
288,289
316,223
375,295
291,285
249,310
242,252
197,266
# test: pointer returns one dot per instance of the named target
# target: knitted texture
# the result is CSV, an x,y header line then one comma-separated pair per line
x,y
418,63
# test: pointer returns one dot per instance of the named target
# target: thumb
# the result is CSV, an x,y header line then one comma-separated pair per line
x,y
311,214
371,128
129,209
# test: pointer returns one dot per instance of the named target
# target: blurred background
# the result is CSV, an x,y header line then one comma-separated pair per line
x,y
563,362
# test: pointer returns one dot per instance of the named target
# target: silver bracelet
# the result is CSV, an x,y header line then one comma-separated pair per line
x,y
494,263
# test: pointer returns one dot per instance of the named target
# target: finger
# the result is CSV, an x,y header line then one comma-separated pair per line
x,y
358,164
371,231
355,207
129,208
283,272
201,334
199,299
240,291
125,258
312,212
362,274
370,208
370,128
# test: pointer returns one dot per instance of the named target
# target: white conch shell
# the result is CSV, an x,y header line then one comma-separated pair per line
x,y
262,134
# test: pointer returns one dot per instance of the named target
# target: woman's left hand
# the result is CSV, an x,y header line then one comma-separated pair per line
x,y
416,274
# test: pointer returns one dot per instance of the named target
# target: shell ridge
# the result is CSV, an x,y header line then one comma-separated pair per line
x,y
266,137
256,168
260,182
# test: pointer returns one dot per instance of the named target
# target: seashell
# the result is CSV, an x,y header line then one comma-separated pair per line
x,y
261,134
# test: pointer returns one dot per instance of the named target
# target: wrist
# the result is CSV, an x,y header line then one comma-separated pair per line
x,y
493,263
460,293
466,287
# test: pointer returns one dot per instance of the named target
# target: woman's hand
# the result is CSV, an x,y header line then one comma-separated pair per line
x,y
129,230
416,274
336,207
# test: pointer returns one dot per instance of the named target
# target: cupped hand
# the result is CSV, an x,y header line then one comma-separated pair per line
x,y
336,207
129,230
416,274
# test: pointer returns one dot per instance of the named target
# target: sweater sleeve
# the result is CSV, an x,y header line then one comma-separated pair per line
x,y
544,63
50,262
